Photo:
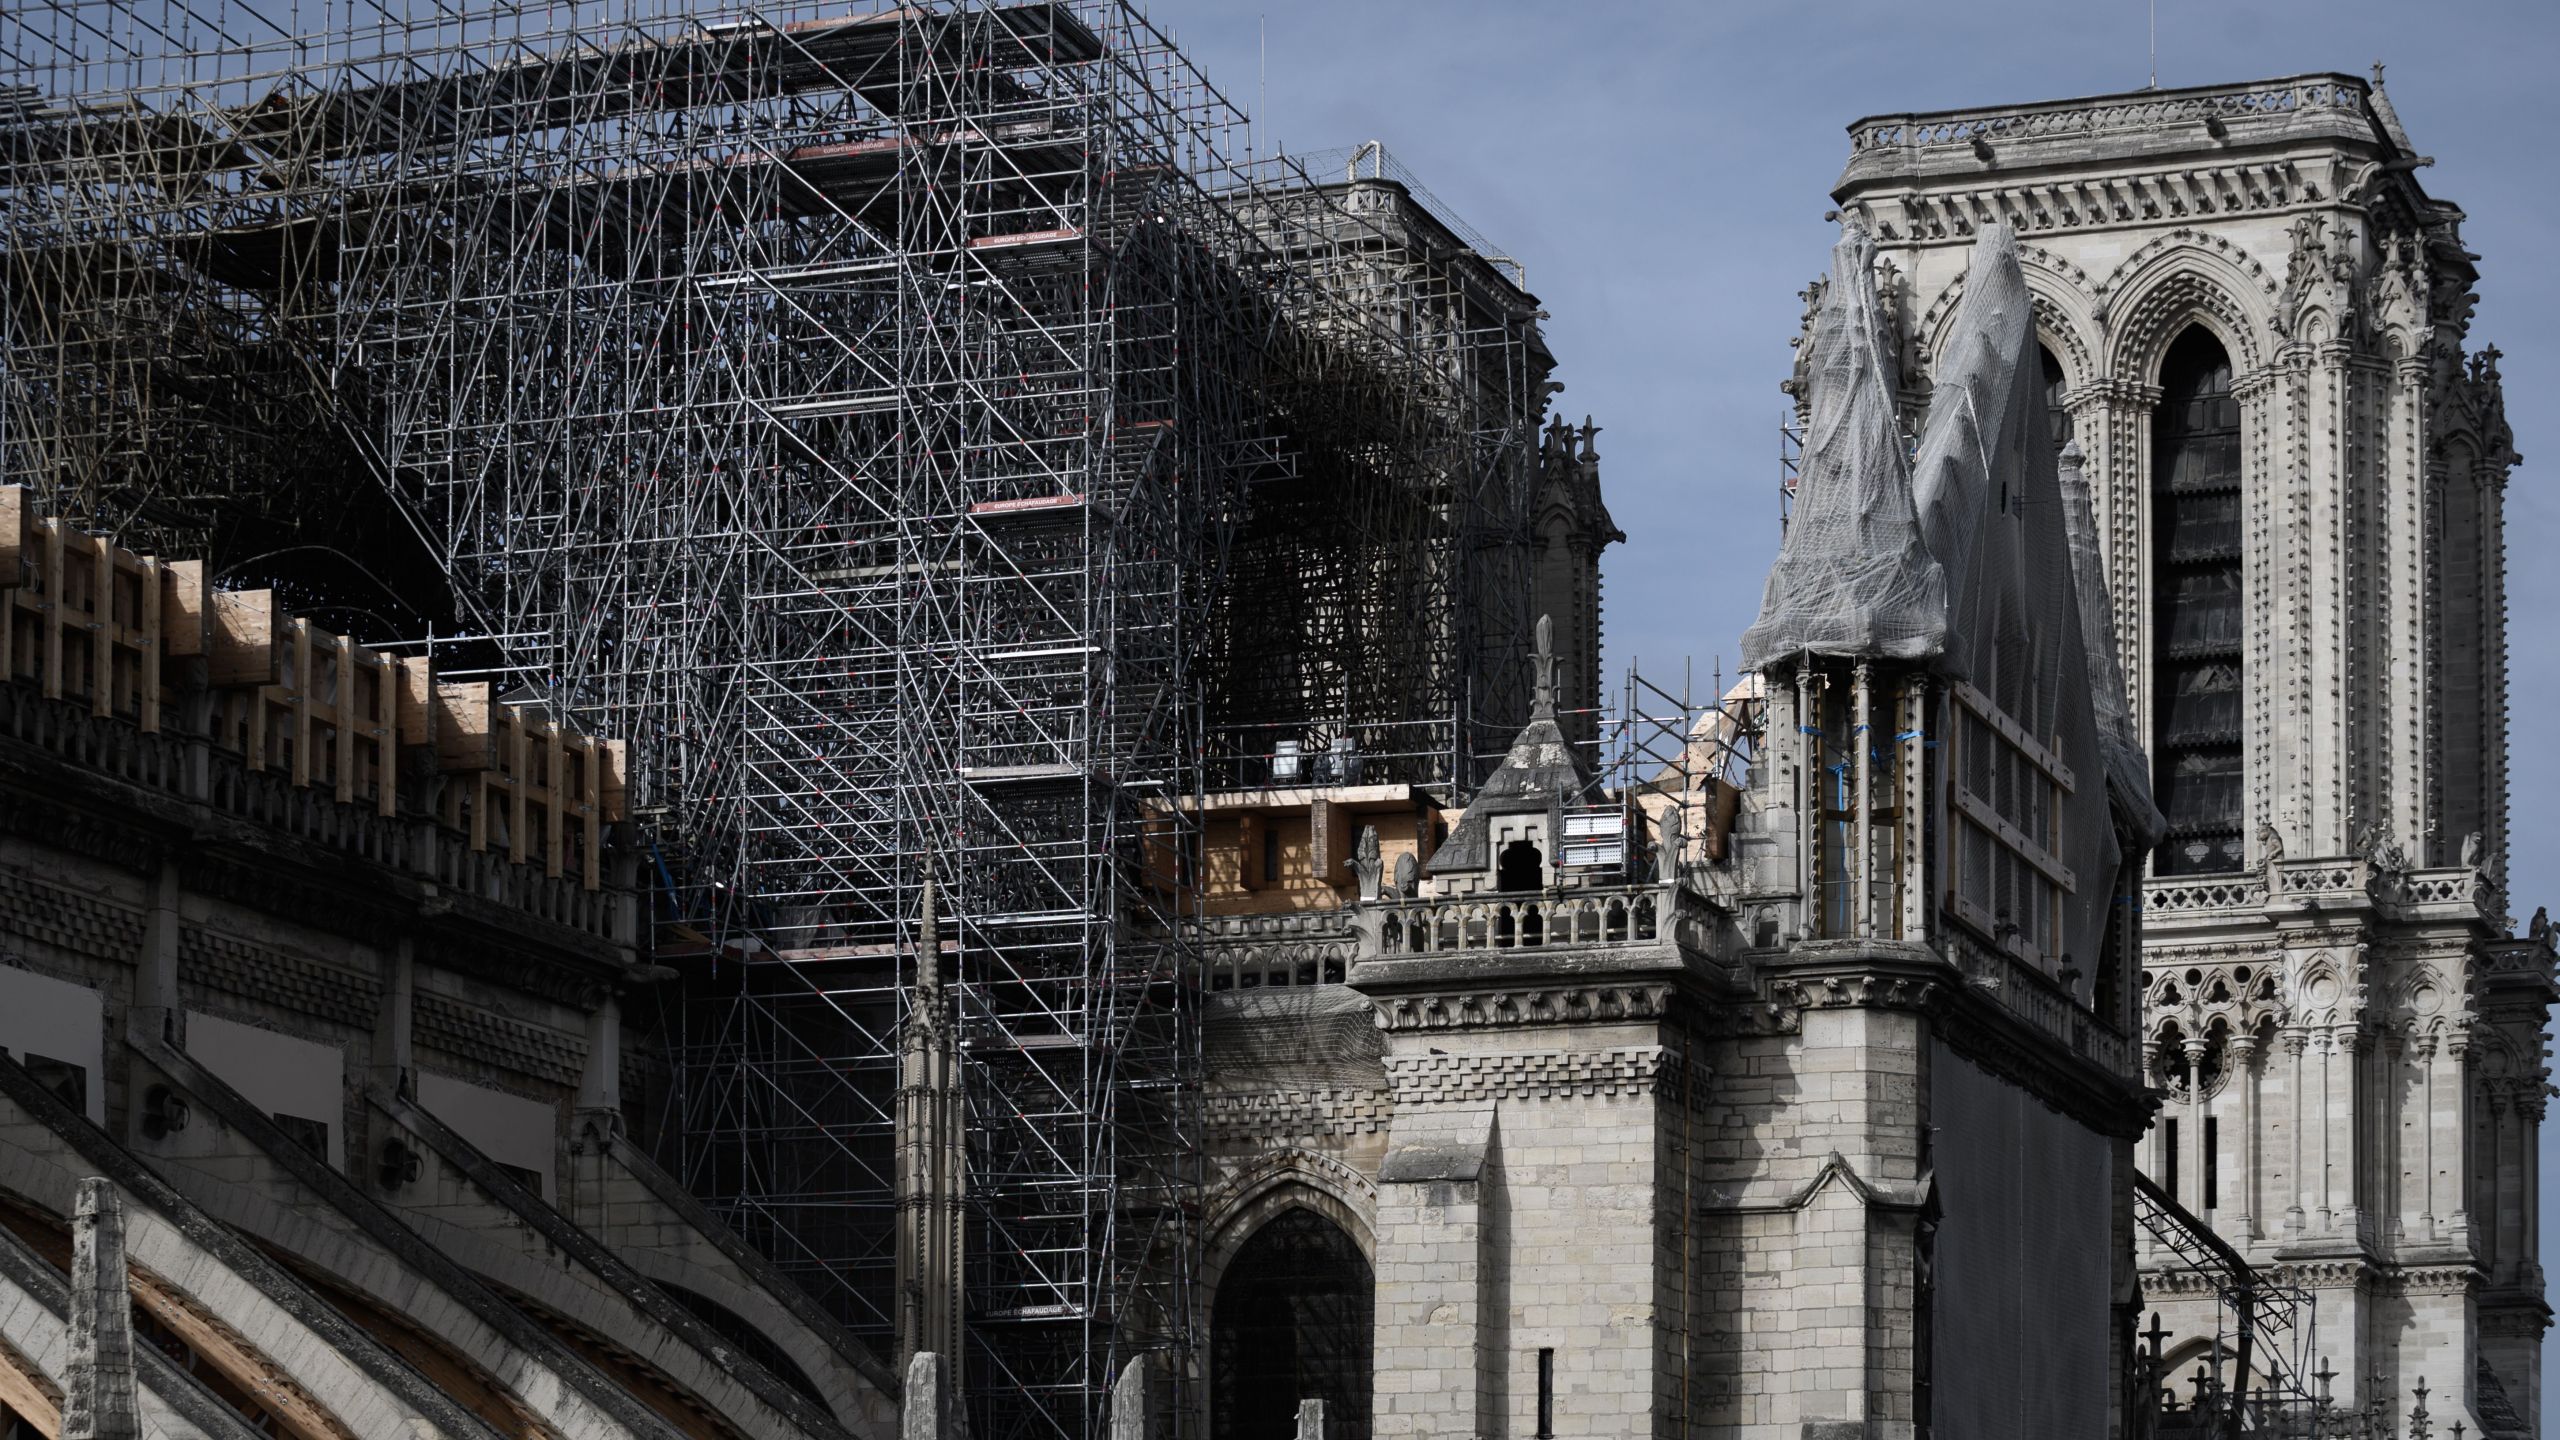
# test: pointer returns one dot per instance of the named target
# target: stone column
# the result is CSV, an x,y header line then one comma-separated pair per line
x,y
2391,1197
98,1401
2457,1052
394,1023
2244,1057
2192,1164
600,1080
2156,1140
1860,861
2302,1080
2326,1214
2426,1052
2115,418
157,1010
2353,1128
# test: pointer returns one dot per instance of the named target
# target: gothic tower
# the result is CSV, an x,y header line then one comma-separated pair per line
x,y
2254,322
1572,526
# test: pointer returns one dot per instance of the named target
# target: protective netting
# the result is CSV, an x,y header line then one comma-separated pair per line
x,y
2128,769
1854,577
1964,556
1306,1036
1991,509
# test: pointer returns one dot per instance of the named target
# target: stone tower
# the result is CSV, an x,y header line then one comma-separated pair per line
x,y
1572,526
2254,321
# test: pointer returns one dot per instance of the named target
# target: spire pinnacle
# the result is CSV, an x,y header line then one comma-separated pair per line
x,y
1542,704
928,941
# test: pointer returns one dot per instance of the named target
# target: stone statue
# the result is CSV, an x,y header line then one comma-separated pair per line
x,y
2471,851
2270,844
1667,844
2379,850
1408,874
2539,932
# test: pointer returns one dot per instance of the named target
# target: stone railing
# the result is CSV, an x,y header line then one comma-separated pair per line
x,y
2335,880
2203,894
2041,1001
2299,878
1630,915
192,770
2077,118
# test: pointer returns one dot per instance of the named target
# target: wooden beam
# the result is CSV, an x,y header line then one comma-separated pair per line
x,y
242,631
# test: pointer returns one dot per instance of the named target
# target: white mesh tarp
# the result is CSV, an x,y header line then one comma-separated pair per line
x,y
1853,577
1963,557
2128,769
1992,512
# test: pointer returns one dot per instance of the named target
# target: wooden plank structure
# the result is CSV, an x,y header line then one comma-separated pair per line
x,y
88,621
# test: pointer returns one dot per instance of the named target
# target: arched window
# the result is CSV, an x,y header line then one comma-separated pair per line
x,y
1291,1323
2057,419
2195,612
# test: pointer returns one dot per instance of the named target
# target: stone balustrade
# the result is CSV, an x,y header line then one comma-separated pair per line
x,y
1624,915
2073,119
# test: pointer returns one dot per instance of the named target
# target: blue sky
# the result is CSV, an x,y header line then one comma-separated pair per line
x,y
1662,170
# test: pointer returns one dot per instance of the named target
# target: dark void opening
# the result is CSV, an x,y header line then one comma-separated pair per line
x,y
1291,1323
2196,618
1520,867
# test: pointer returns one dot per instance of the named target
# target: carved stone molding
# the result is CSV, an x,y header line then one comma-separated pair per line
x,y
1601,1003
1535,1075
1275,1115
1866,990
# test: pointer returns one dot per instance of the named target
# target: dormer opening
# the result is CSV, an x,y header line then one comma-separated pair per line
x,y
1521,866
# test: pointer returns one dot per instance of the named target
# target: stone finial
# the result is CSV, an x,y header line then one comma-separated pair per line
x,y
98,1393
923,1410
1311,1420
1543,664
1366,864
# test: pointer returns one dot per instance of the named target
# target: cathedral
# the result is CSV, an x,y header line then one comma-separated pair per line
x,y
2068,987
2053,1066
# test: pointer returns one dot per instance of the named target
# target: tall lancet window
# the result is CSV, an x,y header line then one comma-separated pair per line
x,y
2195,611
2056,415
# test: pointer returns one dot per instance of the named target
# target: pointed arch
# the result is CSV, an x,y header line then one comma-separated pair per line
x,y
1292,1317
2182,279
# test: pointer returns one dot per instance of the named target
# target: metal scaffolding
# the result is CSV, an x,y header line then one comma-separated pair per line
x,y
923,433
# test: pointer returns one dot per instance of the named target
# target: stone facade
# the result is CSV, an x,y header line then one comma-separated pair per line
x,y
1640,1147
2348,1044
